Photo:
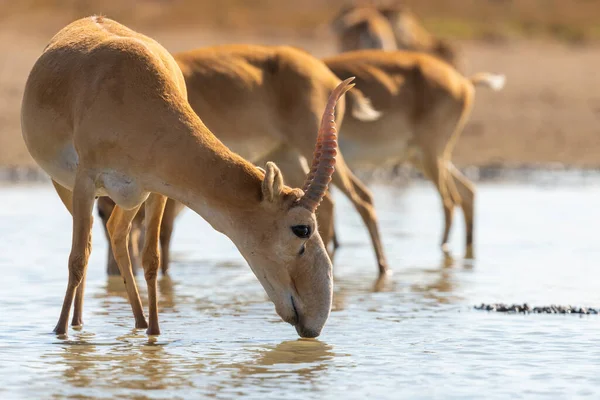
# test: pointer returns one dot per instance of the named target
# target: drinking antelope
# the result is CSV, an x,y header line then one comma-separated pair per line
x,y
263,101
424,106
105,113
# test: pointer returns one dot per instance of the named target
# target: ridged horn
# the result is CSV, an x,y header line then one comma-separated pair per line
x,y
322,166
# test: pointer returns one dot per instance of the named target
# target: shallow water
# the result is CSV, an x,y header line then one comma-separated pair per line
x,y
413,336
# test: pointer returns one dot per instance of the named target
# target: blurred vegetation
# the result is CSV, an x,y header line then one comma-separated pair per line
x,y
567,20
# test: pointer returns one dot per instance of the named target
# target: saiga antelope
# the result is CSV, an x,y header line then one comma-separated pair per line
x,y
262,101
424,104
105,113
355,28
363,27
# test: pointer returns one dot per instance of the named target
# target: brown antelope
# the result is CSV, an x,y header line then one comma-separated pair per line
x,y
261,101
363,27
406,29
105,113
424,106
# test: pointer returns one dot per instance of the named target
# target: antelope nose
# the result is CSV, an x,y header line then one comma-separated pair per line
x,y
307,332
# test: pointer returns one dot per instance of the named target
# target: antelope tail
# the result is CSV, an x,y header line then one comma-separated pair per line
x,y
361,106
493,81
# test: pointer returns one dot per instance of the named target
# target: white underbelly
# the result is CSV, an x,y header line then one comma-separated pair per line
x,y
124,190
364,154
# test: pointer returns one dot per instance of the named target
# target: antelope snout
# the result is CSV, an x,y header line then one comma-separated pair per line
x,y
305,326
308,332
287,310
312,311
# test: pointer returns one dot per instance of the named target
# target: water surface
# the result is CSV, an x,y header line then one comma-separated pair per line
x,y
413,336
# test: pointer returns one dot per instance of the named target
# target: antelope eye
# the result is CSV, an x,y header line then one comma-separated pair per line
x,y
302,231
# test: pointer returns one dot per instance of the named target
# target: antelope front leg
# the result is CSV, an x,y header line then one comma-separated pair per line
x,y
155,207
82,207
118,227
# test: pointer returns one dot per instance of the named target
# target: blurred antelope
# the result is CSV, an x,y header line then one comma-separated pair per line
x,y
355,23
105,113
424,104
362,26
263,102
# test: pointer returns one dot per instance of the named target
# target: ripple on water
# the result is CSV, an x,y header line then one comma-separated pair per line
x,y
413,335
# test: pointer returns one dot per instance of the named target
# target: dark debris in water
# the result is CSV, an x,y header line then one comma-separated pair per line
x,y
527,309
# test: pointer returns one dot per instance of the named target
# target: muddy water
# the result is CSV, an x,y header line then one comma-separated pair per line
x,y
413,336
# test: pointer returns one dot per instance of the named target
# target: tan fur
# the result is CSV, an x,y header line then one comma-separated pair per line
x,y
105,114
136,240
424,105
262,99
390,18
363,28
266,101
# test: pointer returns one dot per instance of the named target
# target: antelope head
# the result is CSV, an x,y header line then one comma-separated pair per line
x,y
352,14
281,242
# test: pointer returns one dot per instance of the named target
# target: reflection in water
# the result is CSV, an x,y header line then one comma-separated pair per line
x,y
116,288
300,351
166,293
383,283
305,359
439,289
135,362
346,288
437,284
448,260
443,285
223,339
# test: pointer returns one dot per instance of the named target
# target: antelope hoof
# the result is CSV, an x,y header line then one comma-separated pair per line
x,y
142,324
76,322
446,250
469,253
153,331
384,270
60,330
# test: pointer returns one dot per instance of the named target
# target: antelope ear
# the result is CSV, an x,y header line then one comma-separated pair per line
x,y
272,185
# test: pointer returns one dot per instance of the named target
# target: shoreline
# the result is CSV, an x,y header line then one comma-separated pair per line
x,y
523,173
